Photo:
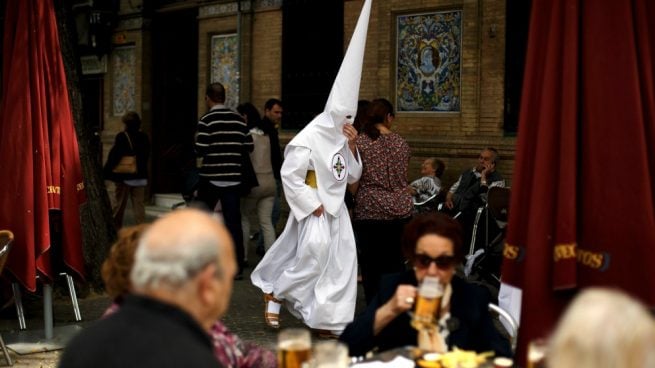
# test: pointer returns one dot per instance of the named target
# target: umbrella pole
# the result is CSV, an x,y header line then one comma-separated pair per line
x,y
47,311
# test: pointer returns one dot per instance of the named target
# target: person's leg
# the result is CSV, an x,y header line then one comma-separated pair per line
x,y
368,259
138,207
264,208
277,210
247,207
208,195
231,202
120,196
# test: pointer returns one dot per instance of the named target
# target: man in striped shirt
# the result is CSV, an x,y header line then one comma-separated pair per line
x,y
222,140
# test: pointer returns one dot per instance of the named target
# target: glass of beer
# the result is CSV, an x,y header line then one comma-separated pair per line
x,y
427,304
537,353
330,354
293,347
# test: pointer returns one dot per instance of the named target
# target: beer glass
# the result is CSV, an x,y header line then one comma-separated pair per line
x,y
293,347
427,304
329,354
537,353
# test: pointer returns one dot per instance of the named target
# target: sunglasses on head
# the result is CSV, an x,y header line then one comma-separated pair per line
x,y
443,262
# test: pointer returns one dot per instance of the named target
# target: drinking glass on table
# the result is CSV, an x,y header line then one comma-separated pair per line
x,y
293,347
330,354
537,353
428,303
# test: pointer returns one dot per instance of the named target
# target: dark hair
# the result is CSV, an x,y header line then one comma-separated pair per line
x,y
251,113
432,223
132,121
272,102
496,157
216,92
116,268
358,122
376,113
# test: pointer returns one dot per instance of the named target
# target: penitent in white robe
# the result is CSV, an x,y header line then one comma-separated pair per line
x,y
312,266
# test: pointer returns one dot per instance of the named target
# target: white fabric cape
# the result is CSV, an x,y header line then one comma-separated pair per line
x,y
312,266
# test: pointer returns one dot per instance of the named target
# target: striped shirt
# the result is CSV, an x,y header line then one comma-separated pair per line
x,y
221,140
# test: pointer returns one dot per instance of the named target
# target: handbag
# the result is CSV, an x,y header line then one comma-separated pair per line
x,y
127,163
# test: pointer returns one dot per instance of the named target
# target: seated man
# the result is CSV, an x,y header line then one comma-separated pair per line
x,y
181,284
429,184
469,192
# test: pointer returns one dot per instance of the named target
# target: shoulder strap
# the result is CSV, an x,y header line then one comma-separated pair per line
x,y
129,141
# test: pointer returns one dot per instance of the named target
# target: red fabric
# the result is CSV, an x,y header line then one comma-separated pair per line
x,y
40,158
583,194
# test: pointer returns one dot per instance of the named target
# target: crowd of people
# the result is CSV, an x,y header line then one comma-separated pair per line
x,y
174,277
352,208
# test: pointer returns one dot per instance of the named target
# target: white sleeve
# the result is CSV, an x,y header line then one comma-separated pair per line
x,y
302,198
354,167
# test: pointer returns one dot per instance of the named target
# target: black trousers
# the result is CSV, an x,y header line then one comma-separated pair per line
x,y
380,252
230,197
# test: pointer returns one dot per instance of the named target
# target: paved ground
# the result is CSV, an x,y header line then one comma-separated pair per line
x,y
244,317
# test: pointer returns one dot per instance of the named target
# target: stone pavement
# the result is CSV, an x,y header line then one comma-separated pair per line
x,y
244,317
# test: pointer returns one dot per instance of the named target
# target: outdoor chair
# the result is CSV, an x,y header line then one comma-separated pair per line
x,y
510,324
6,238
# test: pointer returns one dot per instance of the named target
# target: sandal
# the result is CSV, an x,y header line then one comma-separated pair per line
x,y
325,334
272,314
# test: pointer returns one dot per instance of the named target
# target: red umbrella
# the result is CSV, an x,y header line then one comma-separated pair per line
x,y
38,145
583,195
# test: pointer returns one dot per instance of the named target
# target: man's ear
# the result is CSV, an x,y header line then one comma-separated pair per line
x,y
207,284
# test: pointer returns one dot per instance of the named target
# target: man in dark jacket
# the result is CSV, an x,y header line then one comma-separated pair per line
x,y
182,282
470,190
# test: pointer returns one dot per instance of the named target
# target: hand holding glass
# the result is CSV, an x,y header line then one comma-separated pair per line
x,y
428,303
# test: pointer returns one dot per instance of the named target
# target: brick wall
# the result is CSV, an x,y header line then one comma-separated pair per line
x,y
456,138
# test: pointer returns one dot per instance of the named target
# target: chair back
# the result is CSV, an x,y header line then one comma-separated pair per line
x,y
6,238
508,322
498,203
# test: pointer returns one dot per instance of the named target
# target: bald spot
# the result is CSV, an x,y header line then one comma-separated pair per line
x,y
181,227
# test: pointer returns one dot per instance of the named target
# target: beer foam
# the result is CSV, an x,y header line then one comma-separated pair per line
x,y
294,345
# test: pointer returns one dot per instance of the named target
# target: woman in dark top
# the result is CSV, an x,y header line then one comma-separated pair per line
x,y
131,141
432,242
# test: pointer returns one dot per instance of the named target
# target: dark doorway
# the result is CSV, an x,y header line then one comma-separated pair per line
x,y
312,50
518,20
174,97
91,88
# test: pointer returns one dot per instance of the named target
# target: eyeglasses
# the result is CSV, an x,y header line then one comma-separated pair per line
x,y
443,262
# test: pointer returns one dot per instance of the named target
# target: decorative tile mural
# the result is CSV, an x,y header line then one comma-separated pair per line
x,y
428,61
225,66
123,67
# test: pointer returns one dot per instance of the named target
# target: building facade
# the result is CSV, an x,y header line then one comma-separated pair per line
x,y
441,62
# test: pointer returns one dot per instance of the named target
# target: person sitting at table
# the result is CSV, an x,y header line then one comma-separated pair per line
x,y
603,328
432,242
229,349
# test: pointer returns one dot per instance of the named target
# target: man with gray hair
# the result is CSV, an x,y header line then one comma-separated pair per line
x,y
181,284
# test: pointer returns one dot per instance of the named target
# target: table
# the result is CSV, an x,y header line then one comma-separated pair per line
x,y
409,352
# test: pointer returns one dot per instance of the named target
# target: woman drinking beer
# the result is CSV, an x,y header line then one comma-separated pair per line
x,y
432,244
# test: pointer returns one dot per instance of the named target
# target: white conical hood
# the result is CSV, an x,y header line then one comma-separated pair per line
x,y
345,90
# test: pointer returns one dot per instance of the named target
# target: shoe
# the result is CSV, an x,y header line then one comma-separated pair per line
x,y
272,319
325,334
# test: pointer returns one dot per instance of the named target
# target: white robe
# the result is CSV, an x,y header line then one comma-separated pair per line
x,y
312,266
